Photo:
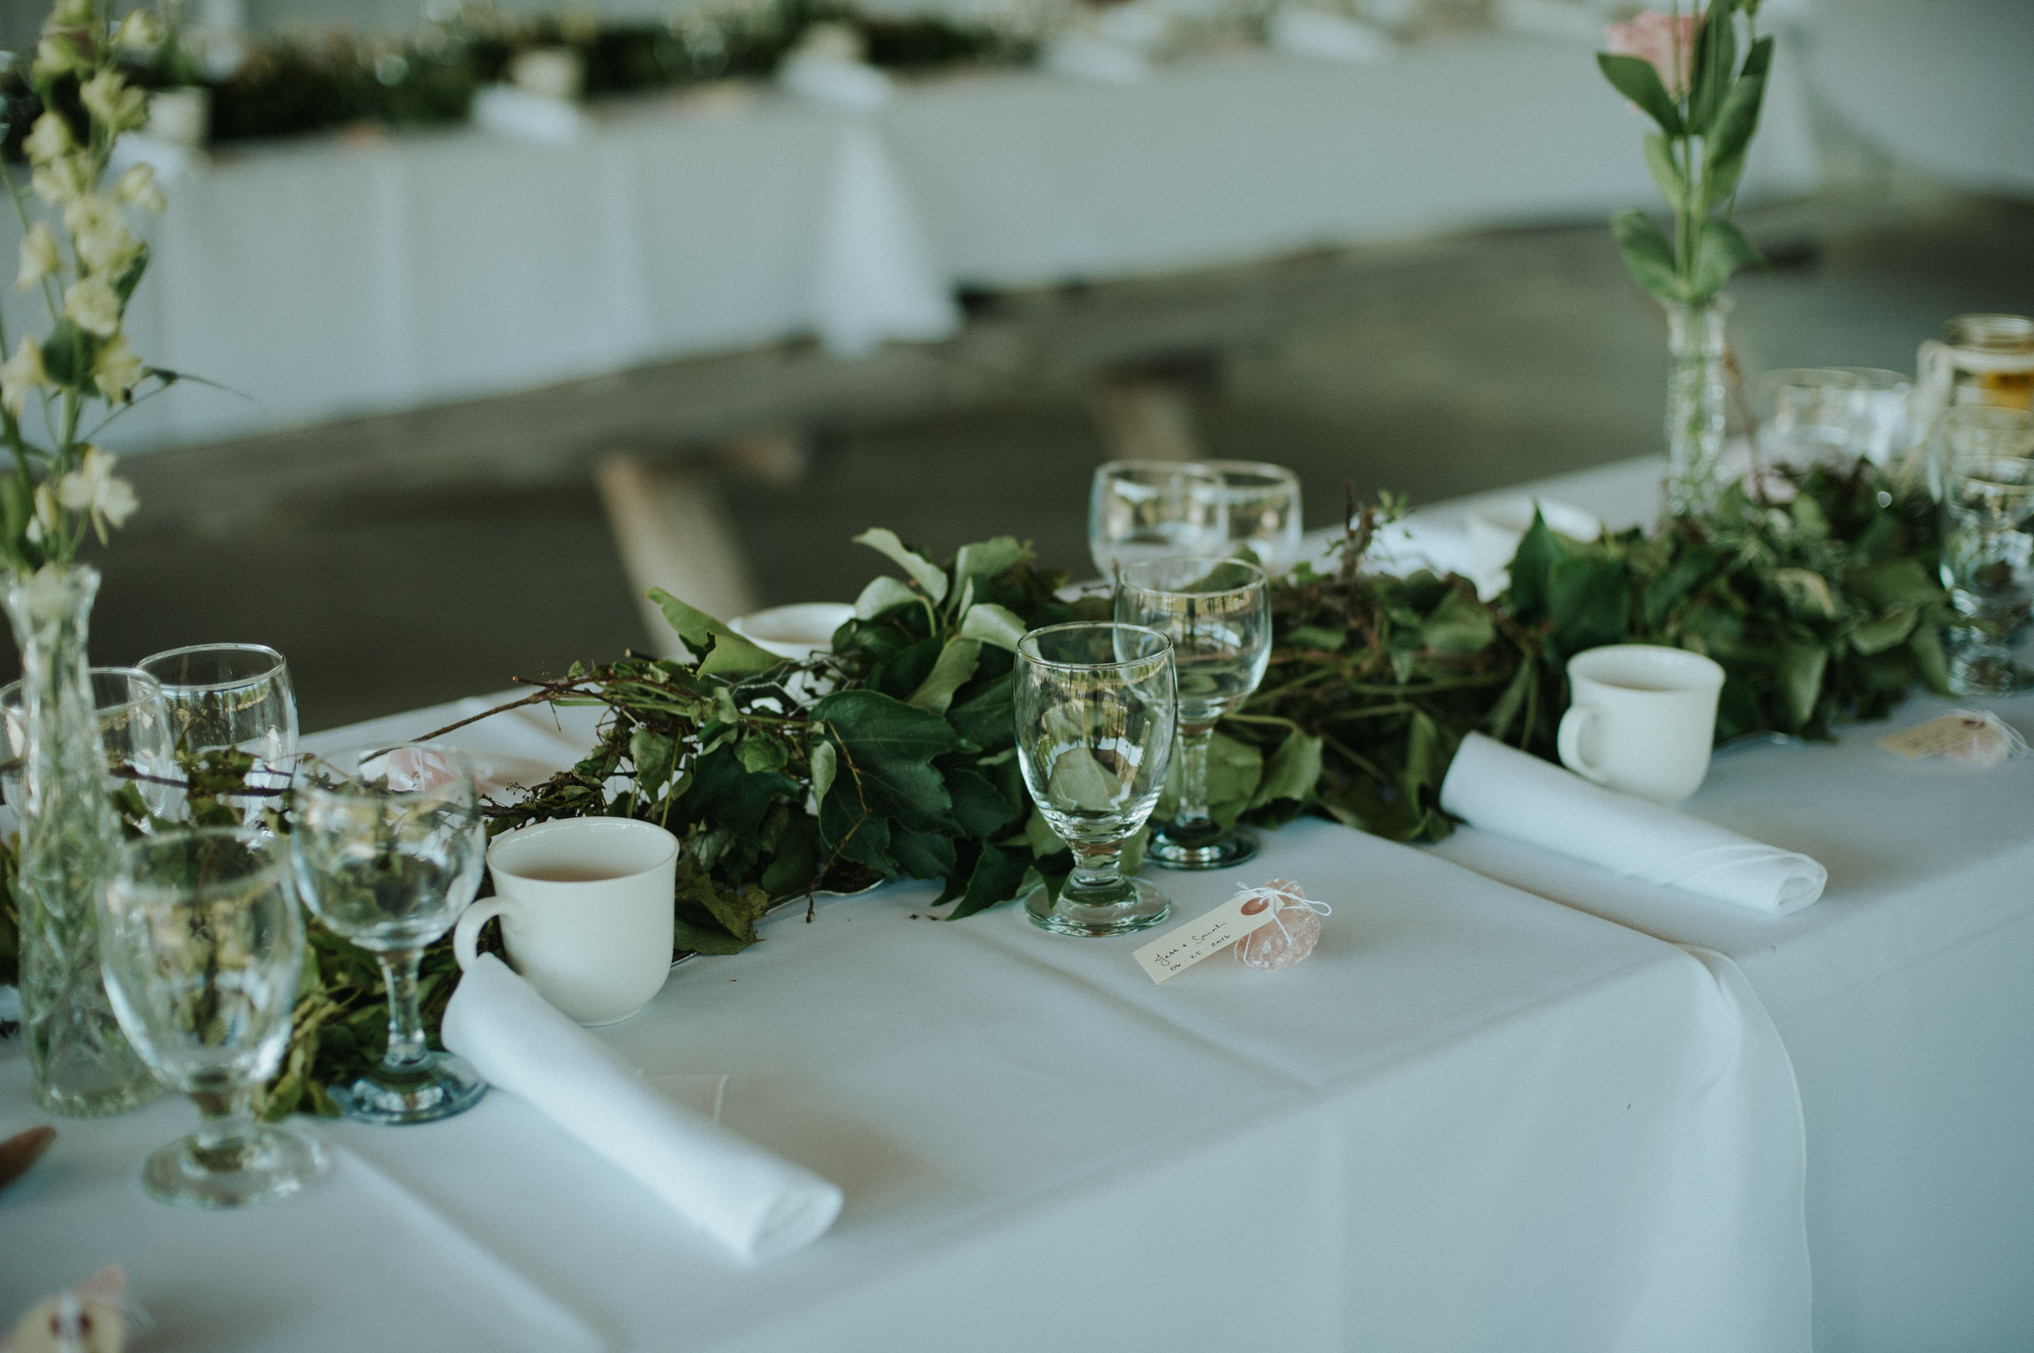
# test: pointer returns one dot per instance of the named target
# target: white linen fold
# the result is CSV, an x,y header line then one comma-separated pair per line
x,y
756,1204
1500,789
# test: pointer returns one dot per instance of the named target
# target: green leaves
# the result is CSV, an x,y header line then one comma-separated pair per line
x,y
1635,78
1720,252
928,575
886,777
1667,175
1647,255
720,648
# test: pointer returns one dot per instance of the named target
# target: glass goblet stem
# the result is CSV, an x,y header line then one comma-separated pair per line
x,y
1192,821
406,1047
1097,877
226,1136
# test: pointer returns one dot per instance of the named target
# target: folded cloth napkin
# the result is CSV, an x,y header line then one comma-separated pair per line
x,y
756,1204
1511,793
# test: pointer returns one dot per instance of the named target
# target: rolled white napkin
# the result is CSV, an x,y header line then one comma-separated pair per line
x,y
1500,789
756,1204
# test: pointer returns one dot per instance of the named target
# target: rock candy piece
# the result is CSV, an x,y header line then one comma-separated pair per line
x,y
1282,943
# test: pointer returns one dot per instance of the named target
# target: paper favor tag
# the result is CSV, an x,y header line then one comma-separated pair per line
x,y
1209,933
1952,732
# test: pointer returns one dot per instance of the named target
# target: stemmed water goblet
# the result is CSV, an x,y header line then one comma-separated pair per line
x,y
388,848
134,729
1812,415
1263,506
232,697
1095,712
1155,509
201,943
1988,568
1217,612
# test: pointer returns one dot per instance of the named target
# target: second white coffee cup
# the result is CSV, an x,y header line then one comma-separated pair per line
x,y
1641,719
586,912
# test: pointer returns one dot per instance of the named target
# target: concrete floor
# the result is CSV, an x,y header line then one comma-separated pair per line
x,y
1432,368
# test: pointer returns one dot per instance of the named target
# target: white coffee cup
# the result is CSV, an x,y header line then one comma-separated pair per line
x,y
586,912
1642,719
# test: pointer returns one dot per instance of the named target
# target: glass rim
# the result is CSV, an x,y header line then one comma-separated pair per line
x,y
280,664
1840,377
1989,331
265,845
1975,470
1194,469
1266,468
1878,378
1989,417
10,691
1027,647
1263,578
354,787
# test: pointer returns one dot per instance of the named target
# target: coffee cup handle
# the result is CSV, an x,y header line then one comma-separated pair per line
x,y
466,935
1567,741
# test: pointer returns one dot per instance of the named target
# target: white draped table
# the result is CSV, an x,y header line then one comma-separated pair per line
x,y
1474,1119
1903,996
343,276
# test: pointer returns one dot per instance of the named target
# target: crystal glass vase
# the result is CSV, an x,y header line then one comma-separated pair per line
x,y
82,1063
1697,388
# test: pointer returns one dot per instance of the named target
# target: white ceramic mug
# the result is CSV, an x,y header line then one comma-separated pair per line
x,y
1642,719
586,912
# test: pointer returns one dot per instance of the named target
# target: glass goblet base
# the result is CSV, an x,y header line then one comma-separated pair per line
x,y
1140,906
438,1087
1988,669
268,1162
1212,847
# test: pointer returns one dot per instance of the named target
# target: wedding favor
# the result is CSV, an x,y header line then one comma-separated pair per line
x,y
1975,737
1271,926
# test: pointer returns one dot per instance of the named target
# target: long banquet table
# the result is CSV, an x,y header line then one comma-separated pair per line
x,y
1473,1119
343,276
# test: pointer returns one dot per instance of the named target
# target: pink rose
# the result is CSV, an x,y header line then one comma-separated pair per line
x,y
1666,41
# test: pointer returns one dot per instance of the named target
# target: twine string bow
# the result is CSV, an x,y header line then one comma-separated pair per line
x,y
1282,893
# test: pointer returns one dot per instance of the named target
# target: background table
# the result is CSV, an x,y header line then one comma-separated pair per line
x,y
1473,1119
337,277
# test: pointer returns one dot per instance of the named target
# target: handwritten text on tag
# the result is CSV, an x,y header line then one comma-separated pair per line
x,y
1209,933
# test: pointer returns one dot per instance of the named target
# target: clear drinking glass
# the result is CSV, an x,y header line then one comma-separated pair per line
x,y
201,942
1883,432
1155,509
233,696
1812,414
1976,432
1988,567
1217,612
1263,503
388,849
134,724
1095,710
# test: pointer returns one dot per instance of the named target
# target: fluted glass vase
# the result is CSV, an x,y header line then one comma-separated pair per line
x,y
1697,389
82,1063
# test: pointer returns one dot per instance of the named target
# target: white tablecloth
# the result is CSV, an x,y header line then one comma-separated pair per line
x,y
1473,1119
329,278
1902,997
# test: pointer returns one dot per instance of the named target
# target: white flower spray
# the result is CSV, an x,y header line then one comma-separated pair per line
x,y
80,250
